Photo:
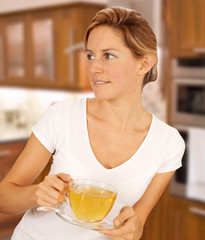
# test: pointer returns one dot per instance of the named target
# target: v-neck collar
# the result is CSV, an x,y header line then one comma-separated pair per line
x,y
91,150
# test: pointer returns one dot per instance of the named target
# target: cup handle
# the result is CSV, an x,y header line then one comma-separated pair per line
x,y
66,195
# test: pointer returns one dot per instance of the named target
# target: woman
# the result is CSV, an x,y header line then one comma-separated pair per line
x,y
110,138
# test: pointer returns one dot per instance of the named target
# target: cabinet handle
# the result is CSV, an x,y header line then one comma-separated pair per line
x,y
75,47
199,50
197,211
5,153
71,57
52,61
70,51
2,57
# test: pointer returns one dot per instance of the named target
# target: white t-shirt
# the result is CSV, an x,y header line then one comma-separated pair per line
x,y
63,131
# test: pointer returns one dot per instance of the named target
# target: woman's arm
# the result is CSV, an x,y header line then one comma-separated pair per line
x,y
152,194
135,217
17,194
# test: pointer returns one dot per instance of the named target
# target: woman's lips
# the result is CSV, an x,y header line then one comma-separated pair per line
x,y
100,83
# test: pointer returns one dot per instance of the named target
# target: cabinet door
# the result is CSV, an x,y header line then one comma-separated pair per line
x,y
186,23
2,56
200,48
191,23
68,38
186,220
42,49
153,225
74,22
14,44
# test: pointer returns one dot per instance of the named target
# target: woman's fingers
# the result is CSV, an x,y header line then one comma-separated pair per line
x,y
50,191
125,213
54,182
128,226
45,200
64,177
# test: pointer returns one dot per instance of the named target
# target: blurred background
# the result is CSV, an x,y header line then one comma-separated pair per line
x,y
42,62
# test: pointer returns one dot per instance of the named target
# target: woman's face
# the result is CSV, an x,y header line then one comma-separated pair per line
x,y
111,67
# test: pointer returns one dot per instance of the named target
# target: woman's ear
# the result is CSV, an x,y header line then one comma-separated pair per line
x,y
147,62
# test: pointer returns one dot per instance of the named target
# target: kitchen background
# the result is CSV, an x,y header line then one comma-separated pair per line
x,y
42,62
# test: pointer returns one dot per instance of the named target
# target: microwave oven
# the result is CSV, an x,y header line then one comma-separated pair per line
x,y
188,92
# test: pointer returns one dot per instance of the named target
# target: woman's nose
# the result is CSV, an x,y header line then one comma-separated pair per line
x,y
96,66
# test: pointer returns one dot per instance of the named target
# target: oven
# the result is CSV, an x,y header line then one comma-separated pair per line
x,y
188,92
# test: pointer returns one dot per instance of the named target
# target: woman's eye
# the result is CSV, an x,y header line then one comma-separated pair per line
x,y
90,57
109,56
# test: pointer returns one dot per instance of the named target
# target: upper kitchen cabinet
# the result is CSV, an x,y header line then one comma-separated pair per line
x,y
44,48
186,27
74,22
13,42
1,52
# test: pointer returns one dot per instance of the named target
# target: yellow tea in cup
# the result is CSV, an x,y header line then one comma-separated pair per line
x,y
90,200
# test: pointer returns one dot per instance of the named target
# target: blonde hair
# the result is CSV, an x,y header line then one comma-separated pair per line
x,y
138,35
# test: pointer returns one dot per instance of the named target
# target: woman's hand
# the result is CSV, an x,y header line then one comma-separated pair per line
x,y
49,191
130,226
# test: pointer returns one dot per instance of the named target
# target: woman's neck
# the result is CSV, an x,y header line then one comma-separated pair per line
x,y
121,114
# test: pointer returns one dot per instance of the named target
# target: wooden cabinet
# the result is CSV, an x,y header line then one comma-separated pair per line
x,y
13,50
153,226
1,52
73,23
42,48
186,220
175,218
33,47
8,154
186,27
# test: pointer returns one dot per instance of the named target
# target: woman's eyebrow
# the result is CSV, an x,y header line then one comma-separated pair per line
x,y
87,50
103,50
109,49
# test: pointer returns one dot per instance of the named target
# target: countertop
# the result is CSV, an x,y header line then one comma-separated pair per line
x,y
9,133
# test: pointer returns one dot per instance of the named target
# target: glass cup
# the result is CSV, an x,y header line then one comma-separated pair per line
x,y
90,200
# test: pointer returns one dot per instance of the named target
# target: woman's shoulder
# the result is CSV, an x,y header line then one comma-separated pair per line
x,y
168,137
71,102
164,129
68,104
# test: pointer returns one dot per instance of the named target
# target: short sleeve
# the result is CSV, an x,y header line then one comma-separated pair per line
x,y
46,128
173,158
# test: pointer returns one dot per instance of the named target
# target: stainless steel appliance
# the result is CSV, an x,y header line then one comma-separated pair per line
x,y
188,112
188,92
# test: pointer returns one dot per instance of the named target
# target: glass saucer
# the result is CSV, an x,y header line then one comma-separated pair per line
x,y
66,214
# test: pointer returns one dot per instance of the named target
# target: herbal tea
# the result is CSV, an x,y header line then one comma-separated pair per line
x,y
91,203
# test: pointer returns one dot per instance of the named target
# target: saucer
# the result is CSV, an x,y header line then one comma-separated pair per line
x,y
65,213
